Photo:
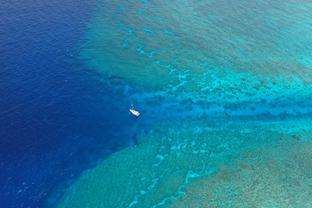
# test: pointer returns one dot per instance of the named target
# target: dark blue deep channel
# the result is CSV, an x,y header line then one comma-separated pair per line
x,y
57,118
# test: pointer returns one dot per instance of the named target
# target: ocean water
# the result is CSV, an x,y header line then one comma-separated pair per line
x,y
223,87
57,117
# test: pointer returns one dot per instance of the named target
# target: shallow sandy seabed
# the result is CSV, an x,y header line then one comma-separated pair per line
x,y
209,51
205,164
190,59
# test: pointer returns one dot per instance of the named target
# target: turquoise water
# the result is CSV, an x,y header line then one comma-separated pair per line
x,y
202,163
224,88
216,55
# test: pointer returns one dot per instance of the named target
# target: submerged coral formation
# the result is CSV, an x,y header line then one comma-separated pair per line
x,y
218,59
205,164
209,51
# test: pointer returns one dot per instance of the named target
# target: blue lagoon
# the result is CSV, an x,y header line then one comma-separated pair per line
x,y
224,88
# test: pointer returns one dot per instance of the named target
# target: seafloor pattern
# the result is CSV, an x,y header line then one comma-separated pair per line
x,y
225,92
210,51
205,164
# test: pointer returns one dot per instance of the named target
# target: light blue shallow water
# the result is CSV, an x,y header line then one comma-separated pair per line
x,y
225,93
246,57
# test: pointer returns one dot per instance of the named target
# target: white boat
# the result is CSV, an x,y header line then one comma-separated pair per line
x,y
134,112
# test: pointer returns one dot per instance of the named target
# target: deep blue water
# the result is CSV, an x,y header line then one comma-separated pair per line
x,y
57,118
